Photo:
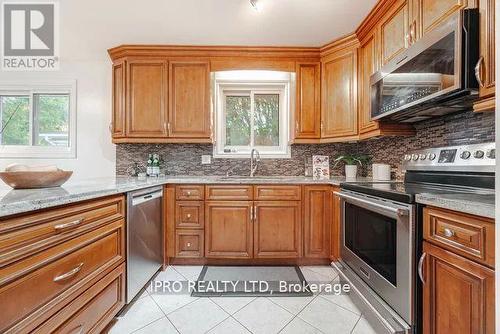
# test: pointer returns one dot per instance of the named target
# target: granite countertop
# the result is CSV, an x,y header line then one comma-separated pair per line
x,y
25,200
476,204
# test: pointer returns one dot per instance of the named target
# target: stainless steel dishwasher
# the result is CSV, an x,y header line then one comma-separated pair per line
x,y
144,238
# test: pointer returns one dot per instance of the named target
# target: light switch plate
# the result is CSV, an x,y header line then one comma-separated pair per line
x,y
206,159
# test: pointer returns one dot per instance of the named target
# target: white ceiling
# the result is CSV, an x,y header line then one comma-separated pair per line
x,y
91,26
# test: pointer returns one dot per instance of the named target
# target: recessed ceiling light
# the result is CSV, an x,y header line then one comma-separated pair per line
x,y
256,4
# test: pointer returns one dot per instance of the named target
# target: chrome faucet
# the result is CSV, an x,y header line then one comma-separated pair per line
x,y
254,161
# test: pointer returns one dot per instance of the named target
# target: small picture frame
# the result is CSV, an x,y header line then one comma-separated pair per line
x,y
321,167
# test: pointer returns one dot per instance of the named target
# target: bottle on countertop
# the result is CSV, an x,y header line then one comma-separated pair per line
x,y
149,168
156,165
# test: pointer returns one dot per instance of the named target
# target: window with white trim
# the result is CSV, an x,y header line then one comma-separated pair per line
x,y
38,121
252,110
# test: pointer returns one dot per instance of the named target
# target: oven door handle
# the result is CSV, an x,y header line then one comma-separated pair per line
x,y
398,211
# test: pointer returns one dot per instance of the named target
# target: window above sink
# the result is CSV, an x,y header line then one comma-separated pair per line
x,y
252,110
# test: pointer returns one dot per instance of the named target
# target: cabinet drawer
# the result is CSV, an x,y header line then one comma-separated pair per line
x,y
466,235
39,282
229,193
189,214
189,243
189,192
24,235
101,303
277,193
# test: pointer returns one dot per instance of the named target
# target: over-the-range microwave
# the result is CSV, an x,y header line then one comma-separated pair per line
x,y
433,77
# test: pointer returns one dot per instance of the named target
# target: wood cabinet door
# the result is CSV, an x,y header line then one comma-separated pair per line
x,y
189,109
487,48
435,12
394,31
367,66
318,219
118,115
339,94
228,229
147,94
277,229
459,294
308,109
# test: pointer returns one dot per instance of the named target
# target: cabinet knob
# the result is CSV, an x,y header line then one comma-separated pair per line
x,y
188,244
188,193
448,233
188,215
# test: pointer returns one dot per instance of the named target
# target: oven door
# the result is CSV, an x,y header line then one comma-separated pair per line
x,y
378,245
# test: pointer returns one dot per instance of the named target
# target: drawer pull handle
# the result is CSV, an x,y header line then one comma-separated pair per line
x,y
420,267
69,274
78,330
478,71
448,233
68,225
188,193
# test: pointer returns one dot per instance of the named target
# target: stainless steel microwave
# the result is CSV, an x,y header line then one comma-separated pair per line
x,y
433,77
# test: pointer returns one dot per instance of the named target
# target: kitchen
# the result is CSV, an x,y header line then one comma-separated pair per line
x,y
334,143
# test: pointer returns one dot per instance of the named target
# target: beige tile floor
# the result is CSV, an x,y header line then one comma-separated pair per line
x,y
321,313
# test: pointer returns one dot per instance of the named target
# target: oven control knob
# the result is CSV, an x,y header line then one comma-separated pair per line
x,y
407,157
479,154
465,155
491,153
431,156
422,156
414,157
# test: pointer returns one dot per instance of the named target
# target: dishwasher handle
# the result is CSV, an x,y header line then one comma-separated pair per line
x,y
143,198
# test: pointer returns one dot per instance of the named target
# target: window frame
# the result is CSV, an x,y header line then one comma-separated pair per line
x,y
67,87
235,87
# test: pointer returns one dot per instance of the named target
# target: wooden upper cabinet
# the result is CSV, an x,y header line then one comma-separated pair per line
x,y
394,31
146,98
367,66
189,88
118,115
308,108
229,229
459,295
339,95
486,65
318,221
277,229
435,12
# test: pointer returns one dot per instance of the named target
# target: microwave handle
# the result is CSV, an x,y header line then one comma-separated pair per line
x,y
397,211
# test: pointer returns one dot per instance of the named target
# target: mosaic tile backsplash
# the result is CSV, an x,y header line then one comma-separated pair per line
x,y
185,159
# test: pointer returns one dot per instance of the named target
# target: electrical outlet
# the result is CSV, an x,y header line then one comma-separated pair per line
x,y
206,159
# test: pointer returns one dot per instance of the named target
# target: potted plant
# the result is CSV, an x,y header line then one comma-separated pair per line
x,y
351,163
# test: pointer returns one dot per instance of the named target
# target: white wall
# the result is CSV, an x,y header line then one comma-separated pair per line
x,y
95,154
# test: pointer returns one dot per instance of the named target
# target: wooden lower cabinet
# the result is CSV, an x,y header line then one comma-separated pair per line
x,y
277,230
459,294
93,310
189,243
258,223
318,218
55,268
229,229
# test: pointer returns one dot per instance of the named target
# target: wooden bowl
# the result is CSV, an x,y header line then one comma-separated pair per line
x,y
30,180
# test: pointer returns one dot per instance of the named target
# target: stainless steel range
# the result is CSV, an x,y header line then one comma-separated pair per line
x,y
381,228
